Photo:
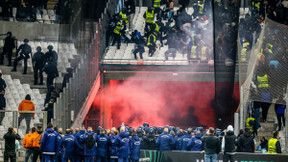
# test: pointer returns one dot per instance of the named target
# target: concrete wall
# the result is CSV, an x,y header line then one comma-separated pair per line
x,y
34,31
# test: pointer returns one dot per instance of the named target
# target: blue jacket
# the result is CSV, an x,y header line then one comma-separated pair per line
x,y
88,151
184,141
59,148
113,145
135,145
165,142
79,141
102,145
178,142
48,143
68,145
195,144
123,149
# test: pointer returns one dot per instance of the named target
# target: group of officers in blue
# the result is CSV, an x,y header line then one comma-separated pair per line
x,y
86,145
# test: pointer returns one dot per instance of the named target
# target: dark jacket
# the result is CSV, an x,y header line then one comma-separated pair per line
x,y
165,142
135,145
2,102
184,141
230,142
49,141
264,145
51,70
123,145
195,144
89,151
79,141
25,50
10,138
246,142
68,144
2,84
39,59
151,142
102,145
9,43
130,5
211,144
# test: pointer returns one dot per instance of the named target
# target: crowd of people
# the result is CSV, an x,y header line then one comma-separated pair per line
x,y
27,9
125,143
182,31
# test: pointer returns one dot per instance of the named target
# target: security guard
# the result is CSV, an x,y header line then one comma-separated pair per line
x,y
260,55
201,7
124,16
117,34
263,81
194,53
274,146
156,6
152,43
204,53
251,124
243,55
256,5
24,54
149,16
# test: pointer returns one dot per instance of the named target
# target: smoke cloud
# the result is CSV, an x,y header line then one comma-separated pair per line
x,y
160,103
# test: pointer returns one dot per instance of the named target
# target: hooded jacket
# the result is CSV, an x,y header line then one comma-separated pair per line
x,y
113,145
123,145
135,146
246,142
79,141
68,145
102,145
27,105
89,151
59,141
184,141
36,138
151,142
230,142
195,143
48,143
165,142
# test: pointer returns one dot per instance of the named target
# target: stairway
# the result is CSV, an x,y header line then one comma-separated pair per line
x,y
85,35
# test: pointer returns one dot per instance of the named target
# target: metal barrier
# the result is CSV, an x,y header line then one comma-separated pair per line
x,y
11,119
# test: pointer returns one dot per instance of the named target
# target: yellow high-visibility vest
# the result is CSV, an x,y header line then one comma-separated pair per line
x,y
243,56
117,29
272,146
157,28
245,44
193,52
201,8
150,17
157,3
262,81
257,5
149,41
248,125
204,53
124,17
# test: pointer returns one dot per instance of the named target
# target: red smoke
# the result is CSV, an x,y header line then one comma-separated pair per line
x,y
160,103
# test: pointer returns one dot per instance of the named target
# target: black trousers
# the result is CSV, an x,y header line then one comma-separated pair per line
x,y
27,117
117,38
279,117
38,70
9,155
36,152
50,81
19,59
9,55
152,50
2,115
227,157
265,108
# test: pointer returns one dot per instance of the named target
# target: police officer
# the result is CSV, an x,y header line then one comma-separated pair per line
x,y
38,61
24,54
243,55
274,146
194,53
139,44
152,43
51,55
117,33
124,15
149,16
51,70
156,6
9,45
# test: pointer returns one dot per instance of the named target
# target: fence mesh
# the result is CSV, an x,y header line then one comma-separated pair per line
x,y
264,68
